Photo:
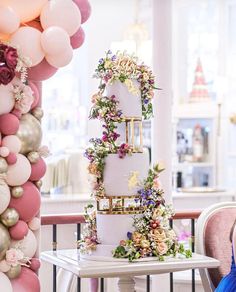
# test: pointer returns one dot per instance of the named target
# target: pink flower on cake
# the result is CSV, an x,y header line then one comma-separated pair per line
x,y
157,184
14,256
162,248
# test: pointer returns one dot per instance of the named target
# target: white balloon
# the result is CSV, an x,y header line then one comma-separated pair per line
x,y
18,173
34,224
5,283
5,196
28,245
7,100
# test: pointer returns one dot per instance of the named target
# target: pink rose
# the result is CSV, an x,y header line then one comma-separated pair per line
x,y
13,256
11,56
162,248
6,75
27,99
2,50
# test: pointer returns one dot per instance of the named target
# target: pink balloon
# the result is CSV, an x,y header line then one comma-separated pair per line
x,y
64,14
19,172
28,39
77,39
28,281
35,264
11,158
9,124
85,9
19,230
55,40
12,142
38,170
61,60
35,94
9,20
27,205
42,71
7,100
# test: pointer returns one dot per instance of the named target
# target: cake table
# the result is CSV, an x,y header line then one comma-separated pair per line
x,y
70,261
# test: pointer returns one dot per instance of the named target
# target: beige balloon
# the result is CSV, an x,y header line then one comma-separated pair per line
x,y
9,217
14,272
37,113
33,157
30,133
5,241
17,192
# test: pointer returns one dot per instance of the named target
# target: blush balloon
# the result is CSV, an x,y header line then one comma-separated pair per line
x,y
19,172
12,142
35,264
61,60
38,170
9,124
42,71
27,281
85,9
28,245
9,20
28,204
77,39
19,230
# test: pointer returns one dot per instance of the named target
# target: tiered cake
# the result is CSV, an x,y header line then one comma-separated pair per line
x,y
131,219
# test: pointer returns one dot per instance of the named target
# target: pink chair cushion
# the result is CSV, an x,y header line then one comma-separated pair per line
x,y
217,242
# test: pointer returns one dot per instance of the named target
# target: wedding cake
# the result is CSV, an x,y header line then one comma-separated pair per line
x,y
131,219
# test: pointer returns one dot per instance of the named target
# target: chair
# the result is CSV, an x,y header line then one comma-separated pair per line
x,y
212,239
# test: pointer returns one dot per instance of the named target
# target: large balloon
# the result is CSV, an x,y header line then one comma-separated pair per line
x,y
42,71
5,196
9,124
26,9
7,100
28,204
12,142
4,241
61,60
9,20
28,39
77,39
5,283
30,133
28,245
19,172
62,13
28,281
55,40
85,9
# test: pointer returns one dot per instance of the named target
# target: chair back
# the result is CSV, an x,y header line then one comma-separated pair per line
x,y
213,240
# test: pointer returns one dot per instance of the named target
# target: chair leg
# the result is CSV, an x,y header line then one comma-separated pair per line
x,y
94,285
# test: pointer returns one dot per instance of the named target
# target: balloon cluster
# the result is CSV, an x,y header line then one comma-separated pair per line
x,y
36,38
44,31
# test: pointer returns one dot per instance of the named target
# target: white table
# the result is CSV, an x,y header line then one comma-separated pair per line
x,y
70,261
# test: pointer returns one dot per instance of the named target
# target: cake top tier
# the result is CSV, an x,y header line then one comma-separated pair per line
x,y
136,77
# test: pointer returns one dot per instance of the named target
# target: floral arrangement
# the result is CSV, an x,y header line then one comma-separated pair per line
x,y
89,239
125,68
153,235
11,62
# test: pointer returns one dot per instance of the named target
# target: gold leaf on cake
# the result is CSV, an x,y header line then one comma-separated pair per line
x,y
133,180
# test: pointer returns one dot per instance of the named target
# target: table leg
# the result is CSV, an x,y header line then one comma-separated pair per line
x,y
126,284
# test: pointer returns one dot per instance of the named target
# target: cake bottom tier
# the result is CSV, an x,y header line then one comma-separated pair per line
x,y
111,229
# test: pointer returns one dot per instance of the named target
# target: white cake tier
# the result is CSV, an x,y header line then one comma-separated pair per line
x,y
129,104
124,176
111,229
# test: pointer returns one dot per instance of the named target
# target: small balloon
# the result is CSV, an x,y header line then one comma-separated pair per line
x,y
19,231
38,184
5,241
12,142
9,217
30,133
34,224
14,272
77,39
17,192
28,245
4,267
11,158
33,157
4,151
3,165
9,124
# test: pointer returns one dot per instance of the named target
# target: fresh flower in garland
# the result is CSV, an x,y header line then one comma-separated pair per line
x,y
153,235
89,239
11,62
125,68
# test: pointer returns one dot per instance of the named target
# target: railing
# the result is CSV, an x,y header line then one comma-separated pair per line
x,y
78,219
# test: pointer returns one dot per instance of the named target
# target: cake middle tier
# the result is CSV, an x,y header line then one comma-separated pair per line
x,y
124,176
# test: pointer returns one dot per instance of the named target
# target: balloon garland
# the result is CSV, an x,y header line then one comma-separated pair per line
x,y
36,38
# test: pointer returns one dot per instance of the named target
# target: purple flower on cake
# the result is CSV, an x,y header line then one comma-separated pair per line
x,y
129,235
123,150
